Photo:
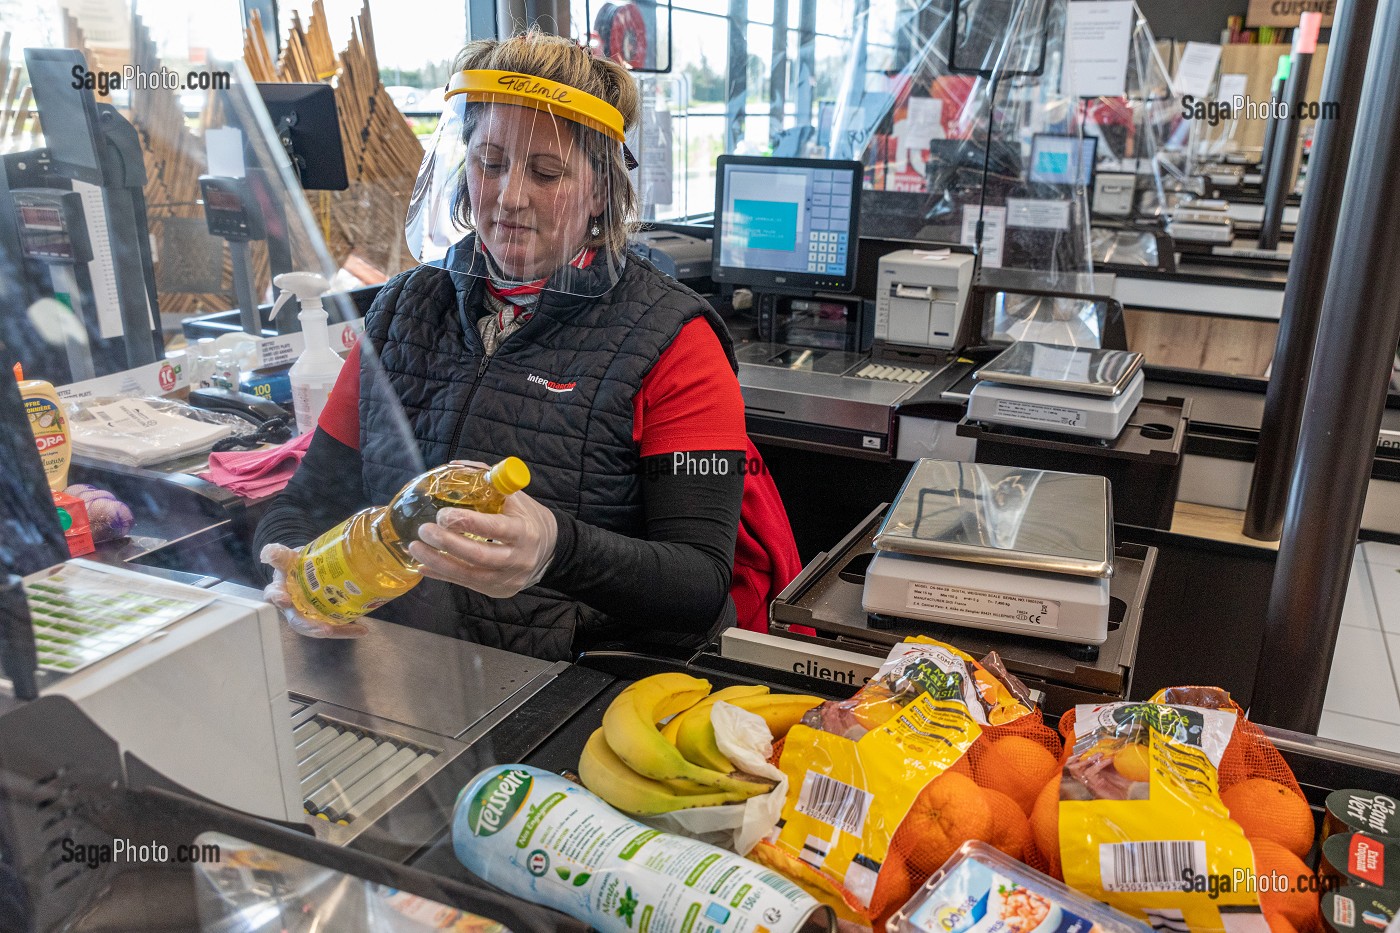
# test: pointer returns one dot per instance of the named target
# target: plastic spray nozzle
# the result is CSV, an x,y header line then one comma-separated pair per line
x,y
19,373
307,286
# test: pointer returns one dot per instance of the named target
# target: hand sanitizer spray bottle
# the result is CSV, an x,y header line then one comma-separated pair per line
x,y
314,373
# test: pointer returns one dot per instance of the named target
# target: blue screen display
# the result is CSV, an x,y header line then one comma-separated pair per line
x,y
787,219
1062,160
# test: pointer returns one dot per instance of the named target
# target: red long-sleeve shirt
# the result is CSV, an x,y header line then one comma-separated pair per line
x,y
689,401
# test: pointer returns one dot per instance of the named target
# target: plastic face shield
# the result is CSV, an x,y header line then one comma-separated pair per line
x,y
516,185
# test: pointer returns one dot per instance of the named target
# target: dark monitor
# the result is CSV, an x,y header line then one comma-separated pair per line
x,y
786,224
1005,38
67,114
1063,160
305,114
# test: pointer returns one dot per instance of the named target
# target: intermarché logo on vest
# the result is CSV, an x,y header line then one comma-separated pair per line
x,y
552,386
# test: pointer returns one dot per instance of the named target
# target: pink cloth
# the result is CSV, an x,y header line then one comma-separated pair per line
x,y
257,473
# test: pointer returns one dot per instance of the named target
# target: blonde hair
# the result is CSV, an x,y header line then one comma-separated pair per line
x,y
559,59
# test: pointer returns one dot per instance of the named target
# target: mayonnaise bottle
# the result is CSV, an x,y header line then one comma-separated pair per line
x,y
50,426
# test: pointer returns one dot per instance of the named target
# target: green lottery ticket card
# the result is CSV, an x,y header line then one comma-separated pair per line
x,y
82,614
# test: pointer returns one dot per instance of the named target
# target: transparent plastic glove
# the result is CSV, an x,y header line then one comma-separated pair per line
x,y
280,558
522,538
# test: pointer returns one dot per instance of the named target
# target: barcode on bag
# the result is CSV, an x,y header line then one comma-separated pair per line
x,y
834,802
1150,866
311,579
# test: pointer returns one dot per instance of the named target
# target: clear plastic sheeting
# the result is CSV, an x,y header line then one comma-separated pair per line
x,y
668,185
1125,247
1134,130
142,211
251,889
1073,322
948,130
971,130
135,222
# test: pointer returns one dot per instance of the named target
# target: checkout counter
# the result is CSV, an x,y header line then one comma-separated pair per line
x,y
351,753
452,707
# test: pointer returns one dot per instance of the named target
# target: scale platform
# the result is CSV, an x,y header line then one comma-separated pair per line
x,y
826,597
1068,390
1143,462
1011,549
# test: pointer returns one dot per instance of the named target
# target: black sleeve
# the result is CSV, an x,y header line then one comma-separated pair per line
x,y
327,488
677,577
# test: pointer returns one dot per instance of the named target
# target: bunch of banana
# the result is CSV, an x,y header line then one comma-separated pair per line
x,y
695,733
646,769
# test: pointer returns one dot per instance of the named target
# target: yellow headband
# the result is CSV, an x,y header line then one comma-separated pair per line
x,y
482,86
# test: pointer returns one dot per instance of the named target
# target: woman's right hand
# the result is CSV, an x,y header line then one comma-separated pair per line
x,y
280,558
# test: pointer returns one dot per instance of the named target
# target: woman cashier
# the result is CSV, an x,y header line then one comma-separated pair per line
x,y
536,334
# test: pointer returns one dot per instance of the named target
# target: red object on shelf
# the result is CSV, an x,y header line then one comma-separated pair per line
x,y
73,516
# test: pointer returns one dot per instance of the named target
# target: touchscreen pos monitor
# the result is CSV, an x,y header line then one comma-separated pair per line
x,y
787,225
1063,160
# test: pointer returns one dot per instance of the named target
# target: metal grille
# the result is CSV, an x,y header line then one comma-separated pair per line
x,y
345,770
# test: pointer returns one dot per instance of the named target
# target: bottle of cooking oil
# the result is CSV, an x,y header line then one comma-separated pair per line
x,y
362,563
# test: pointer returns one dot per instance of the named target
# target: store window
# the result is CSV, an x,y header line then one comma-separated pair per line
x,y
414,61
762,90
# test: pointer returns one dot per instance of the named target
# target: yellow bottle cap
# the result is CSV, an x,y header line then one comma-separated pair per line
x,y
510,475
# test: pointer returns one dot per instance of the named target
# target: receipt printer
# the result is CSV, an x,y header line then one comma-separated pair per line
x,y
920,297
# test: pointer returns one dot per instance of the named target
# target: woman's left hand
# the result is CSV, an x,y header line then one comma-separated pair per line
x,y
522,542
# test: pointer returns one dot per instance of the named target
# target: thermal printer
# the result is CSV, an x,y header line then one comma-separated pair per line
x,y
920,297
679,255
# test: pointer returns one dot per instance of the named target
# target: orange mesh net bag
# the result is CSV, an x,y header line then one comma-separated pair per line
x,y
1005,767
1255,786
954,750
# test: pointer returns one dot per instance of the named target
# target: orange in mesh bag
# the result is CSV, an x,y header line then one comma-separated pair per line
x,y
935,751
1158,802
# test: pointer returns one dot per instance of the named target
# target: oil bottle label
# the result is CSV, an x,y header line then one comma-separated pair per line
x,y
327,583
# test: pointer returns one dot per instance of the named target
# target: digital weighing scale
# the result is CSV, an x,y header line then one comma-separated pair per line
x,y
1009,549
1067,390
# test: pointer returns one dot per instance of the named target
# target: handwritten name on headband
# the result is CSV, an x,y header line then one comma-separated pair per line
x,y
525,84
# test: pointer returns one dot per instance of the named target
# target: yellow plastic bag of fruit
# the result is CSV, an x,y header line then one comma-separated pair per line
x,y
1138,818
890,764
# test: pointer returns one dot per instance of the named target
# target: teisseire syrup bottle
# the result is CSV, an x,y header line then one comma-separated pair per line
x,y
363,562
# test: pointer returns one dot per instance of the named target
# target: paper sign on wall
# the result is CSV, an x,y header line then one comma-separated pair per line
x,y
924,122
1098,34
1196,72
993,232
1037,214
1232,86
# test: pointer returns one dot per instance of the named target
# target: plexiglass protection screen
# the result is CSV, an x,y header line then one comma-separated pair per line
x,y
524,183
151,223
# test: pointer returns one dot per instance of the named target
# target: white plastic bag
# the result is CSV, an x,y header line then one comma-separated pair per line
x,y
744,739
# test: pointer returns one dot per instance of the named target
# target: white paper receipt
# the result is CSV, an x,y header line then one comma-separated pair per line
x,y
960,602
1047,414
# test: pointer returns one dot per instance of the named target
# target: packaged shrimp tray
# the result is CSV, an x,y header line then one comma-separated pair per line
x,y
981,890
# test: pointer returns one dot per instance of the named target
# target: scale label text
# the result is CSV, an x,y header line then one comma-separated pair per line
x,y
958,602
1030,411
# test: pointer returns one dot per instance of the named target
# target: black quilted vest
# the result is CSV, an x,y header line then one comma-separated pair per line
x,y
558,393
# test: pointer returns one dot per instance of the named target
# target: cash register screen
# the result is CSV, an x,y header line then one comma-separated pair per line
x,y
786,223
1063,160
